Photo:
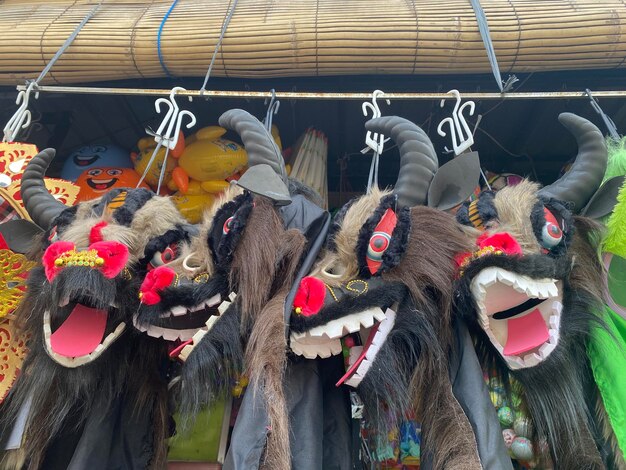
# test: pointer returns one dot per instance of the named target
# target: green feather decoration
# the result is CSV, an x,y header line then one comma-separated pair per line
x,y
615,241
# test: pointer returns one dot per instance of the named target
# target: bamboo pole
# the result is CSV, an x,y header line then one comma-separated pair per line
x,y
271,38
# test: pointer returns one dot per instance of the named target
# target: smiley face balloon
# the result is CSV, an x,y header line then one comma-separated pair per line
x,y
95,182
92,156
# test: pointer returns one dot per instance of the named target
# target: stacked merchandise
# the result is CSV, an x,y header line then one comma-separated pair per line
x,y
309,166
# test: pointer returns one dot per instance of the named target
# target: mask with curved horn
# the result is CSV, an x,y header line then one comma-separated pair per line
x,y
266,174
39,203
585,175
418,159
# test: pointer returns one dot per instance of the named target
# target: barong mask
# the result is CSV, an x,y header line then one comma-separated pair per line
x,y
382,292
78,308
531,290
214,279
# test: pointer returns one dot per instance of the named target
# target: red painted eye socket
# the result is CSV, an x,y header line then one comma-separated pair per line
x,y
227,225
160,258
551,233
380,240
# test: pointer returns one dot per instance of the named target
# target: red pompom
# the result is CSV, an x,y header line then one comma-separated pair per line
x,y
50,256
115,256
501,241
310,296
154,282
95,234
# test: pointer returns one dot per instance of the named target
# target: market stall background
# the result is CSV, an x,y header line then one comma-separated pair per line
x,y
514,135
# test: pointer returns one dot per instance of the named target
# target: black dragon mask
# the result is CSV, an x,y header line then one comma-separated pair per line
x,y
381,295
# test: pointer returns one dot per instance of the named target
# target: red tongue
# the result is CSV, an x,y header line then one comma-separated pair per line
x,y
525,333
356,364
174,353
81,333
101,186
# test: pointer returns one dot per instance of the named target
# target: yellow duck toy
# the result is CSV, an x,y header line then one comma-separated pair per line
x,y
205,168
202,167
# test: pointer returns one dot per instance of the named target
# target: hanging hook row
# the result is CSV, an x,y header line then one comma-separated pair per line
x,y
22,117
168,132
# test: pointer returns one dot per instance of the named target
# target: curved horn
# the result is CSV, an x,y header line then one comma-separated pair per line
x,y
257,141
584,177
418,159
39,203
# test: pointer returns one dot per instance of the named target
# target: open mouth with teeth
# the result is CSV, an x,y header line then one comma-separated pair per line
x,y
185,326
181,323
80,331
520,315
360,334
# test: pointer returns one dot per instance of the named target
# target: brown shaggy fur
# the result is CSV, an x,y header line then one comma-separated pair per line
x,y
435,239
514,205
444,424
266,357
254,261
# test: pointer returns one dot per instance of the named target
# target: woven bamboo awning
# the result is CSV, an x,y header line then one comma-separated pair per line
x,y
277,38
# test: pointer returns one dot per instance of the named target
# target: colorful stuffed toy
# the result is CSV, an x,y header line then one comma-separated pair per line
x,y
531,292
95,182
87,372
91,156
383,289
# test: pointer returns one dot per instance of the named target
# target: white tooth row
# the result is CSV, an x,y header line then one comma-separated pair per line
x,y
530,360
186,351
179,310
80,360
171,334
533,288
66,300
377,342
325,340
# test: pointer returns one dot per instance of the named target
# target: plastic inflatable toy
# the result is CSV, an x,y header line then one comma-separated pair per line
x,y
95,182
94,156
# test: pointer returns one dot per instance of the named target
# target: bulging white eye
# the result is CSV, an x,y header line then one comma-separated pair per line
x,y
379,242
551,233
168,255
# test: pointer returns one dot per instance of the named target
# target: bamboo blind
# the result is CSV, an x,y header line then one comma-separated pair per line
x,y
271,38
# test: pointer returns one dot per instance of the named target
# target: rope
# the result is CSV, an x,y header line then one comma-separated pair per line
x,y
483,27
67,43
159,33
218,44
608,122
